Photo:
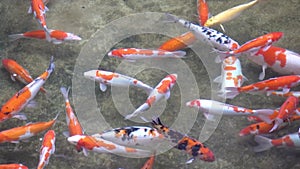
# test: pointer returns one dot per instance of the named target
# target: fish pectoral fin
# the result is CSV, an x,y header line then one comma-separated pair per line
x,y
209,116
285,90
56,42
85,151
20,116
218,79
222,27
103,87
29,10
13,77
15,142
66,133
167,95
189,161
46,8
263,73
32,104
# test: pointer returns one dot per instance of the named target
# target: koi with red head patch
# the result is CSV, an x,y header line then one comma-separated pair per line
x,y
115,79
14,135
132,54
18,72
103,146
15,104
283,83
182,142
179,42
211,108
13,166
278,59
286,111
48,148
264,143
39,9
203,11
57,36
161,90
149,163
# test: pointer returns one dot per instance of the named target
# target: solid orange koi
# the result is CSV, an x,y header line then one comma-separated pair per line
x,y
13,166
179,42
18,72
48,148
15,104
203,11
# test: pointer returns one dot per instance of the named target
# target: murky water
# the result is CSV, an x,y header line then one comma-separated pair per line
x,y
84,18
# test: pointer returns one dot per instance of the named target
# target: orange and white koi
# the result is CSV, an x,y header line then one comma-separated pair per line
x,y
48,148
211,108
149,163
17,134
203,11
216,39
13,166
132,136
283,83
291,93
278,59
264,143
262,42
18,72
39,10
161,90
286,111
22,98
132,54
229,14
183,142
89,143
115,79
231,75
179,42
73,124
57,36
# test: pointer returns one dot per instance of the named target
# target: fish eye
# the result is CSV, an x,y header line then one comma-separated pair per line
x,y
6,113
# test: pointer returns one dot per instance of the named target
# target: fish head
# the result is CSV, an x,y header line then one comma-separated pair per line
x,y
276,36
206,154
75,139
90,74
194,103
115,53
246,131
71,37
8,64
5,113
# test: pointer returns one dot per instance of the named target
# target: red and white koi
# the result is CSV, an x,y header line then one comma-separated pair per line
x,y
211,108
161,90
39,10
291,93
262,42
283,83
286,111
17,134
264,143
18,72
203,11
57,36
216,39
133,136
278,59
183,142
89,143
22,98
179,42
115,79
13,166
231,75
132,54
48,148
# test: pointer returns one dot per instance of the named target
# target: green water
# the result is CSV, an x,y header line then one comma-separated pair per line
x,y
84,18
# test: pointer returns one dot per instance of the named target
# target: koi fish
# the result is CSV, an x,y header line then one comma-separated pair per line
x,y
264,128
264,143
231,75
229,14
39,10
262,42
278,59
115,79
179,42
17,134
132,54
133,136
211,108
89,143
286,111
72,121
183,142
57,36
18,72
22,98
13,166
48,148
149,163
291,93
216,39
203,11
283,83
160,91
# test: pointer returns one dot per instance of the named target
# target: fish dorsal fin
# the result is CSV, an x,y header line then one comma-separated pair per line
x,y
103,87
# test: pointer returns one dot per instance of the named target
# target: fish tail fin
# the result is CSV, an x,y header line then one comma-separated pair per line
x,y
14,37
55,118
170,18
222,55
47,33
139,110
179,53
148,90
157,124
264,143
51,65
277,123
231,92
65,92
264,115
